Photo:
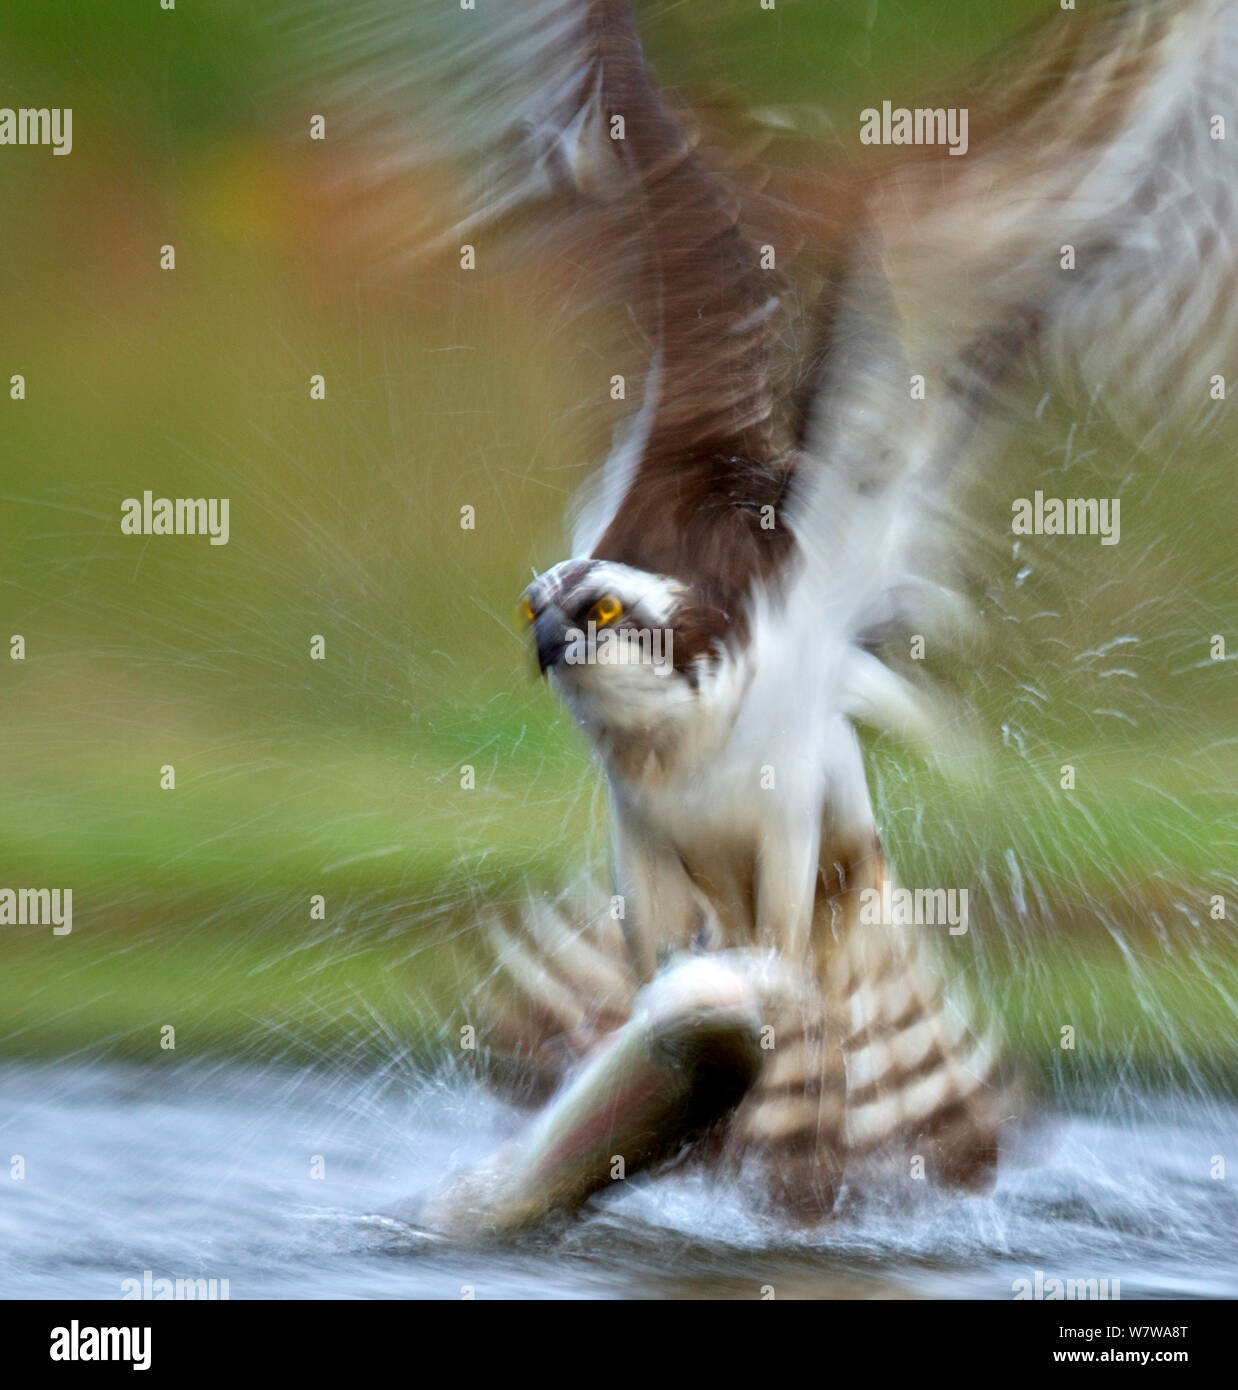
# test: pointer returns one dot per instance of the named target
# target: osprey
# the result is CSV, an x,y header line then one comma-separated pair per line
x,y
824,356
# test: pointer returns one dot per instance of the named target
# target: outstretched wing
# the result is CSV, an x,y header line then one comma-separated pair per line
x,y
1090,234
533,130
1095,215
1099,133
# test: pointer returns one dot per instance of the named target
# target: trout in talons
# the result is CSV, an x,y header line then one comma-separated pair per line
x,y
686,1058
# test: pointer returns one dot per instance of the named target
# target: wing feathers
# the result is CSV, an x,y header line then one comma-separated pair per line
x,y
1091,232
535,130
886,1056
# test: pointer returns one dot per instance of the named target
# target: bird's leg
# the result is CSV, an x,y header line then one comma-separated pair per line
x,y
785,872
662,909
686,1058
795,1117
916,1068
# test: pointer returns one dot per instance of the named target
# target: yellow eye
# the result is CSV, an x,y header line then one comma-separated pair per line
x,y
525,614
606,610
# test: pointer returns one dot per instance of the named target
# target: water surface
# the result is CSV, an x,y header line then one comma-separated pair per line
x,y
204,1171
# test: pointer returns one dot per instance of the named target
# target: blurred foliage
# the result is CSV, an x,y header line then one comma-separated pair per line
x,y
343,777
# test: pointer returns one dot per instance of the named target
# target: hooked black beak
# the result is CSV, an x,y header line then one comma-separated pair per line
x,y
548,632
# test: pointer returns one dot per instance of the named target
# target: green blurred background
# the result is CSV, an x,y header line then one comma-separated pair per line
x,y
342,777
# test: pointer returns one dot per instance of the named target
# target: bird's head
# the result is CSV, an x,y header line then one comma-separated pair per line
x,y
623,646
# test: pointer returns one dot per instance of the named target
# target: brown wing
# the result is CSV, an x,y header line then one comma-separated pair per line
x,y
710,457
533,130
